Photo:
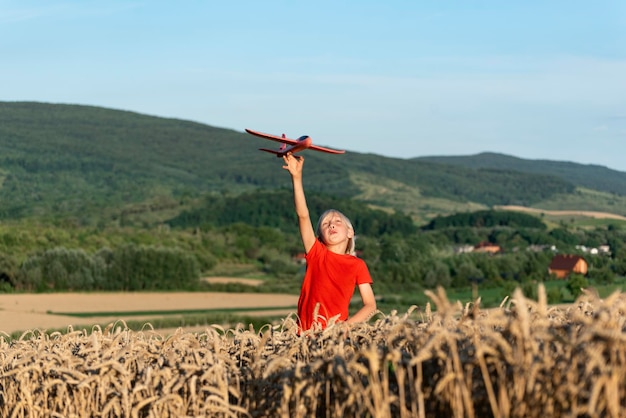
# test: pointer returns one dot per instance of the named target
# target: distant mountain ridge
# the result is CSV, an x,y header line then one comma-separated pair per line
x,y
96,164
587,175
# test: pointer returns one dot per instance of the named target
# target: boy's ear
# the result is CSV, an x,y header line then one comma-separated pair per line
x,y
350,233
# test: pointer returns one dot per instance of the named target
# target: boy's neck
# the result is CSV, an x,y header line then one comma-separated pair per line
x,y
337,249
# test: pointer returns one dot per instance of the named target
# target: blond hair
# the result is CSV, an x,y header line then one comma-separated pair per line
x,y
350,248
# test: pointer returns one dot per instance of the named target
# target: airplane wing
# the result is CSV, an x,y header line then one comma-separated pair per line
x,y
272,137
273,151
328,150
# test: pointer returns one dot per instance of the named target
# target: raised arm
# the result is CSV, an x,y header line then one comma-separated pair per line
x,y
294,166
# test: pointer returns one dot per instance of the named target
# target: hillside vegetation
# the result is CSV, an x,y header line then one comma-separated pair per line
x,y
590,176
101,166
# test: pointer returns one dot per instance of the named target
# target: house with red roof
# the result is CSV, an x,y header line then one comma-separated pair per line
x,y
562,265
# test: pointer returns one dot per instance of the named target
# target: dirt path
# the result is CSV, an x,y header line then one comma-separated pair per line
x,y
221,280
590,214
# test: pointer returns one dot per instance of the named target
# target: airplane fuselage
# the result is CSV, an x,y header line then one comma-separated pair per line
x,y
304,142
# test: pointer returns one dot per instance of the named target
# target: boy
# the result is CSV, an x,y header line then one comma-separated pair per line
x,y
332,268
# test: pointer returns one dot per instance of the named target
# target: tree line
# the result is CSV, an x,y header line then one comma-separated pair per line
x,y
260,229
126,268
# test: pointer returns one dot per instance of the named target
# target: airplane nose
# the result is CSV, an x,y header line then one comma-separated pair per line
x,y
305,141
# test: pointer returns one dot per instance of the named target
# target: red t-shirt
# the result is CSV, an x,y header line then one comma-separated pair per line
x,y
329,281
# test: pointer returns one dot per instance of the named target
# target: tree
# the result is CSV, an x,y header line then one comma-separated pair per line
x,y
554,296
576,283
437,274
8,268
602,275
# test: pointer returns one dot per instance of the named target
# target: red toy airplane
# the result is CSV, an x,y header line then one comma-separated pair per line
x,y
292,145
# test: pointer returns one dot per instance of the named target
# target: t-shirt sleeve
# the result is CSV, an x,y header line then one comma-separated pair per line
x,y
363,273
315,249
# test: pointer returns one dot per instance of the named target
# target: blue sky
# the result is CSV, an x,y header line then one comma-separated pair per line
x,y
532,79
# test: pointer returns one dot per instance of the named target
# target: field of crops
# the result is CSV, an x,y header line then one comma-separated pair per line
x,y
525,359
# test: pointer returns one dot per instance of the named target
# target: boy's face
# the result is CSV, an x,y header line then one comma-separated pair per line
x,y
334,230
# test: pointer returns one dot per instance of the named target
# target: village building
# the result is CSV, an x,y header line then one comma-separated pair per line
x,y
300,258
562,265
487,247
539,248
463,249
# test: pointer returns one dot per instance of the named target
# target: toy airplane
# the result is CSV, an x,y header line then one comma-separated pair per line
x,y
292,145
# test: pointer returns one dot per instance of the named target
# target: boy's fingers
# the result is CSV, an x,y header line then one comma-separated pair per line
x,y
287,158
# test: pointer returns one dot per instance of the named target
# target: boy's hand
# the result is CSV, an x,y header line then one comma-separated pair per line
x,y
293,164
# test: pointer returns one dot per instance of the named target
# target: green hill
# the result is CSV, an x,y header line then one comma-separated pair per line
x,y
585,175
97,166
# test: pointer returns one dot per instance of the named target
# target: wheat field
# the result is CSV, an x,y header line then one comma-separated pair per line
x,y
524,359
